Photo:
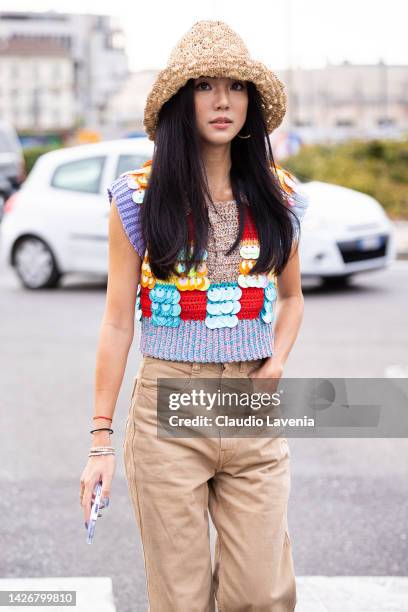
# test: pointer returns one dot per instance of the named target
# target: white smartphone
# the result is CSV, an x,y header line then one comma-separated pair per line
x,y
94,513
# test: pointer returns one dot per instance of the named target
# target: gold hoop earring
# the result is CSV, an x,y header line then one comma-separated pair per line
x,y
249,136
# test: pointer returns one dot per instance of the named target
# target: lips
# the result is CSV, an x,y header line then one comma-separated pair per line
x,y
221,120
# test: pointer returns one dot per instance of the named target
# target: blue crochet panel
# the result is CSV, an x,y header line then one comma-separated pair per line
x,y
129,211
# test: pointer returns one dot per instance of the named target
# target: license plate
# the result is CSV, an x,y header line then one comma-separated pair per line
x,y
370,243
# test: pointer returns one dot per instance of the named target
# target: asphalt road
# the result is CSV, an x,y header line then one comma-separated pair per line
x,y
348,500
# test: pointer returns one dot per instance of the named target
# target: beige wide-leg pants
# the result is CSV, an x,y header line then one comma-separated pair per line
x,y
243,482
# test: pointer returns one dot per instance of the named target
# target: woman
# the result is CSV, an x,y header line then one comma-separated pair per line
x,y
202,239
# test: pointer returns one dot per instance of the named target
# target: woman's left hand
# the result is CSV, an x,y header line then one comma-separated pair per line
x,y
270,372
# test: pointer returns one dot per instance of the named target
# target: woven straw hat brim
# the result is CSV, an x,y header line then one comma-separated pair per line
x,y
173,77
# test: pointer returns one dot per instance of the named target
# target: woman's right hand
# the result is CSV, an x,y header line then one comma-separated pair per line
x,y
98,468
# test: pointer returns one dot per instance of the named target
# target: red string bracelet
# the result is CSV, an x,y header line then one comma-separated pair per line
x,y
102,417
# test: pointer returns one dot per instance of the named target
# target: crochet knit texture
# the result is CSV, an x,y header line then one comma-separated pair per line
x,y
220,313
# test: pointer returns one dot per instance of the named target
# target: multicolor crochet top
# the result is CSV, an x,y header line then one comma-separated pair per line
x,y
219,312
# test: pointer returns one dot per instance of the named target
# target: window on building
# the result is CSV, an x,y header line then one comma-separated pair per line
x,y
14,70
384,121
79,175
56,71
344,123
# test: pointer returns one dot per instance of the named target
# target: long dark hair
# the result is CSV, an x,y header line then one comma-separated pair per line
x,y
178,183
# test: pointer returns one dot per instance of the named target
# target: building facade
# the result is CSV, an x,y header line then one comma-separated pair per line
x,y
92,44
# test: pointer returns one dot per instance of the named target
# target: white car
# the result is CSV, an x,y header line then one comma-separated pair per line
x,y
344,232
57,223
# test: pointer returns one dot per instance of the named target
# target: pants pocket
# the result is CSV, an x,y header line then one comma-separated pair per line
x,y
154,369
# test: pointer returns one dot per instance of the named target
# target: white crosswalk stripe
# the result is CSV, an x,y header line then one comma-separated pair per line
x,y
352,593
314,593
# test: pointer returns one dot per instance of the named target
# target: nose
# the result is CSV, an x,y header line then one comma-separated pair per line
x,y
222,98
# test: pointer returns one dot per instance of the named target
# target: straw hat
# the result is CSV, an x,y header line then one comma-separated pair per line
x,y
212,48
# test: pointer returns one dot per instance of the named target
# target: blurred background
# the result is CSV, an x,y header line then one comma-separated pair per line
x,y
73,84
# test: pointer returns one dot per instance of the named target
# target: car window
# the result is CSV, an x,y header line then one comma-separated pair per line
x,y
79,175
130,162
7,143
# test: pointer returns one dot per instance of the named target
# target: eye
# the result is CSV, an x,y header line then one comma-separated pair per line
x,y
202,86
198,86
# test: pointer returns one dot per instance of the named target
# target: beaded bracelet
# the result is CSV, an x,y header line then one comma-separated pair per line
x,y
102,429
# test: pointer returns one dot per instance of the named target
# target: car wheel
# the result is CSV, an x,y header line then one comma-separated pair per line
x,y
336,281
35,264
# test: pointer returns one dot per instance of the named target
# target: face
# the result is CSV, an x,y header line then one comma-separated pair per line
x,y
220,97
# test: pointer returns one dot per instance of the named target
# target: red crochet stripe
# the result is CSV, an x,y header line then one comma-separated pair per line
x,y
145,302
251,302
250,232
193,305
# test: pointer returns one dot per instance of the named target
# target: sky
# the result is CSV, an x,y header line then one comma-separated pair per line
x,y
281,33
